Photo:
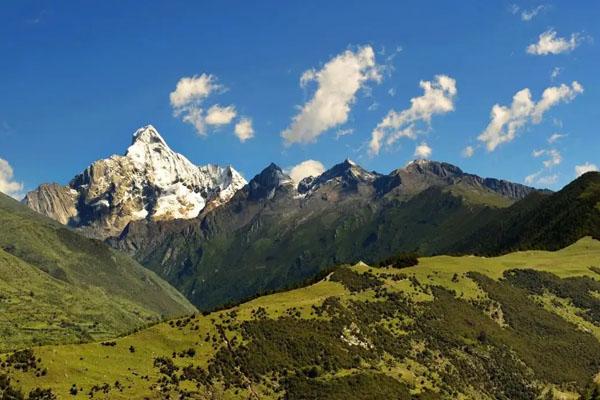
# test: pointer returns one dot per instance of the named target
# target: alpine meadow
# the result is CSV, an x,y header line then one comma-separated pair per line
x,y
299,200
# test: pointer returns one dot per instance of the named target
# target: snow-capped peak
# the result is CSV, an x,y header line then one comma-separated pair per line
x,y
150,181
147,134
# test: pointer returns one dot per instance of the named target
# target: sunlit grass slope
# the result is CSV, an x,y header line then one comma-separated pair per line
x,y
520,326
58,287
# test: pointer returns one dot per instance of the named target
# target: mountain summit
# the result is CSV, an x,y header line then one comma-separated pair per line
x,y
150,181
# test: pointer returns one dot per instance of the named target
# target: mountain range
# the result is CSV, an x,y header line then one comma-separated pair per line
x,y
411,284
223,240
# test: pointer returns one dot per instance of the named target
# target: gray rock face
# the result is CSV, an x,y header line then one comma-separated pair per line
x,y
55,201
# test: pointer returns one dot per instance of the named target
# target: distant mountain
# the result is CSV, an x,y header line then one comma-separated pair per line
x,y
150,182
57,286
273,234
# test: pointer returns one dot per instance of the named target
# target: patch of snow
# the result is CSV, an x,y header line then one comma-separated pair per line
x,y
101,203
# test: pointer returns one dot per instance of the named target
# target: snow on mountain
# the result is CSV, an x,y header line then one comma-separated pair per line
x,y
151,181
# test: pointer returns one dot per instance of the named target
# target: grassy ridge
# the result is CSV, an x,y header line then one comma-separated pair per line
x,y
57,287
450,327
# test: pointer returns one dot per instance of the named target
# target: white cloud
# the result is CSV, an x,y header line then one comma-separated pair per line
x,y
555,73
244,129
343,132
7,183
541,180
217,115
195,117
187,101
549,43
585,167
193,89
543,177
528,15
554,158
506,122
438,98
337,84
538,153
374,106
468,152
392,92
555,137
306,168
423,151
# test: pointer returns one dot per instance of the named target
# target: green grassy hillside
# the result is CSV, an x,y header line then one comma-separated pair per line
x,y
58,287
521,326
540,221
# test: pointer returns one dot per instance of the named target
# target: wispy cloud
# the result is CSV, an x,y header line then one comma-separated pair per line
x,y
555,137
539,179
468,152
337,85
343,132
555,73
528,15
505,122
544,177
438,98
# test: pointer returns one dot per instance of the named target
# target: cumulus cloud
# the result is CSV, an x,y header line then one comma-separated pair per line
x,y
555,137
549,43
505,122
217,115
337,84
193,89
422,151
188,99
305,169
7,183
468,152
585,167
438,98
244,129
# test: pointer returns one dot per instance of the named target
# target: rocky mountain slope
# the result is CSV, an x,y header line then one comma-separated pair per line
x,y
272,234
57,286
523,326
149,182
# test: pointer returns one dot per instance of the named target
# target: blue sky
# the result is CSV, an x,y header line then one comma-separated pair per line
x,y
77,79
